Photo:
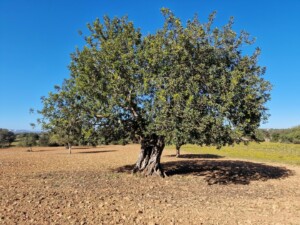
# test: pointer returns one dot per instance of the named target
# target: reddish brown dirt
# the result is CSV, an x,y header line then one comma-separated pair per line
x,y
93,186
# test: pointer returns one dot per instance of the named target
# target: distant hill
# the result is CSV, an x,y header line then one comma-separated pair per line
x,y
25,131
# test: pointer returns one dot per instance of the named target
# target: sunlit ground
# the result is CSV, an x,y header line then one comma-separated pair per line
x,y
265,151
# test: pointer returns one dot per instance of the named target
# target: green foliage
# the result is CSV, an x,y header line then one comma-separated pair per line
x,y
6,137
190,84
62,116
28,139
43,139
46,139
261,135
291,135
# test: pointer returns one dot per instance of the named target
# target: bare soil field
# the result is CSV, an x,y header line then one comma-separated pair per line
x,y
94,186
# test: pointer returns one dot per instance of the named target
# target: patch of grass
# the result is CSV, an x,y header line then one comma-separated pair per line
x,y
266,151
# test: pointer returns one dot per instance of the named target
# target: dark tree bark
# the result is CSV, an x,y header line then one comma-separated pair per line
x,y
148,162
178,151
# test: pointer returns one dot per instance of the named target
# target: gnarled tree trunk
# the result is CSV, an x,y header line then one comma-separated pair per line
x,y
178,151
149,159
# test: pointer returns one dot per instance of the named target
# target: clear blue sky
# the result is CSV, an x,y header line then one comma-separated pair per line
x,y
37,37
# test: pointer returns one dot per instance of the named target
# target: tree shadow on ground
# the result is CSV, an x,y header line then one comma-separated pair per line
x,y
84,147
42,150
221,171
226,171
197,156
94,152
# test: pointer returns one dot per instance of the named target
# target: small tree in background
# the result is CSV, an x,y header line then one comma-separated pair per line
x,y
6,137
63,115
44,139
183,84
28,140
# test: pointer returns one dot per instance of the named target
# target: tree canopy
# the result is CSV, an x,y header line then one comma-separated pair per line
x,y
183,84
6,137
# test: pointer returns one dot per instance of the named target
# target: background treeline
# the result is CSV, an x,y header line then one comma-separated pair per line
x,y
30,139
8,138
290,135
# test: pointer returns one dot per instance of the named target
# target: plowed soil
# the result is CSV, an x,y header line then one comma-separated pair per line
x,y
95,186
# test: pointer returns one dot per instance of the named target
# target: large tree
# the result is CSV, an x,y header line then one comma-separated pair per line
x,y
184,84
